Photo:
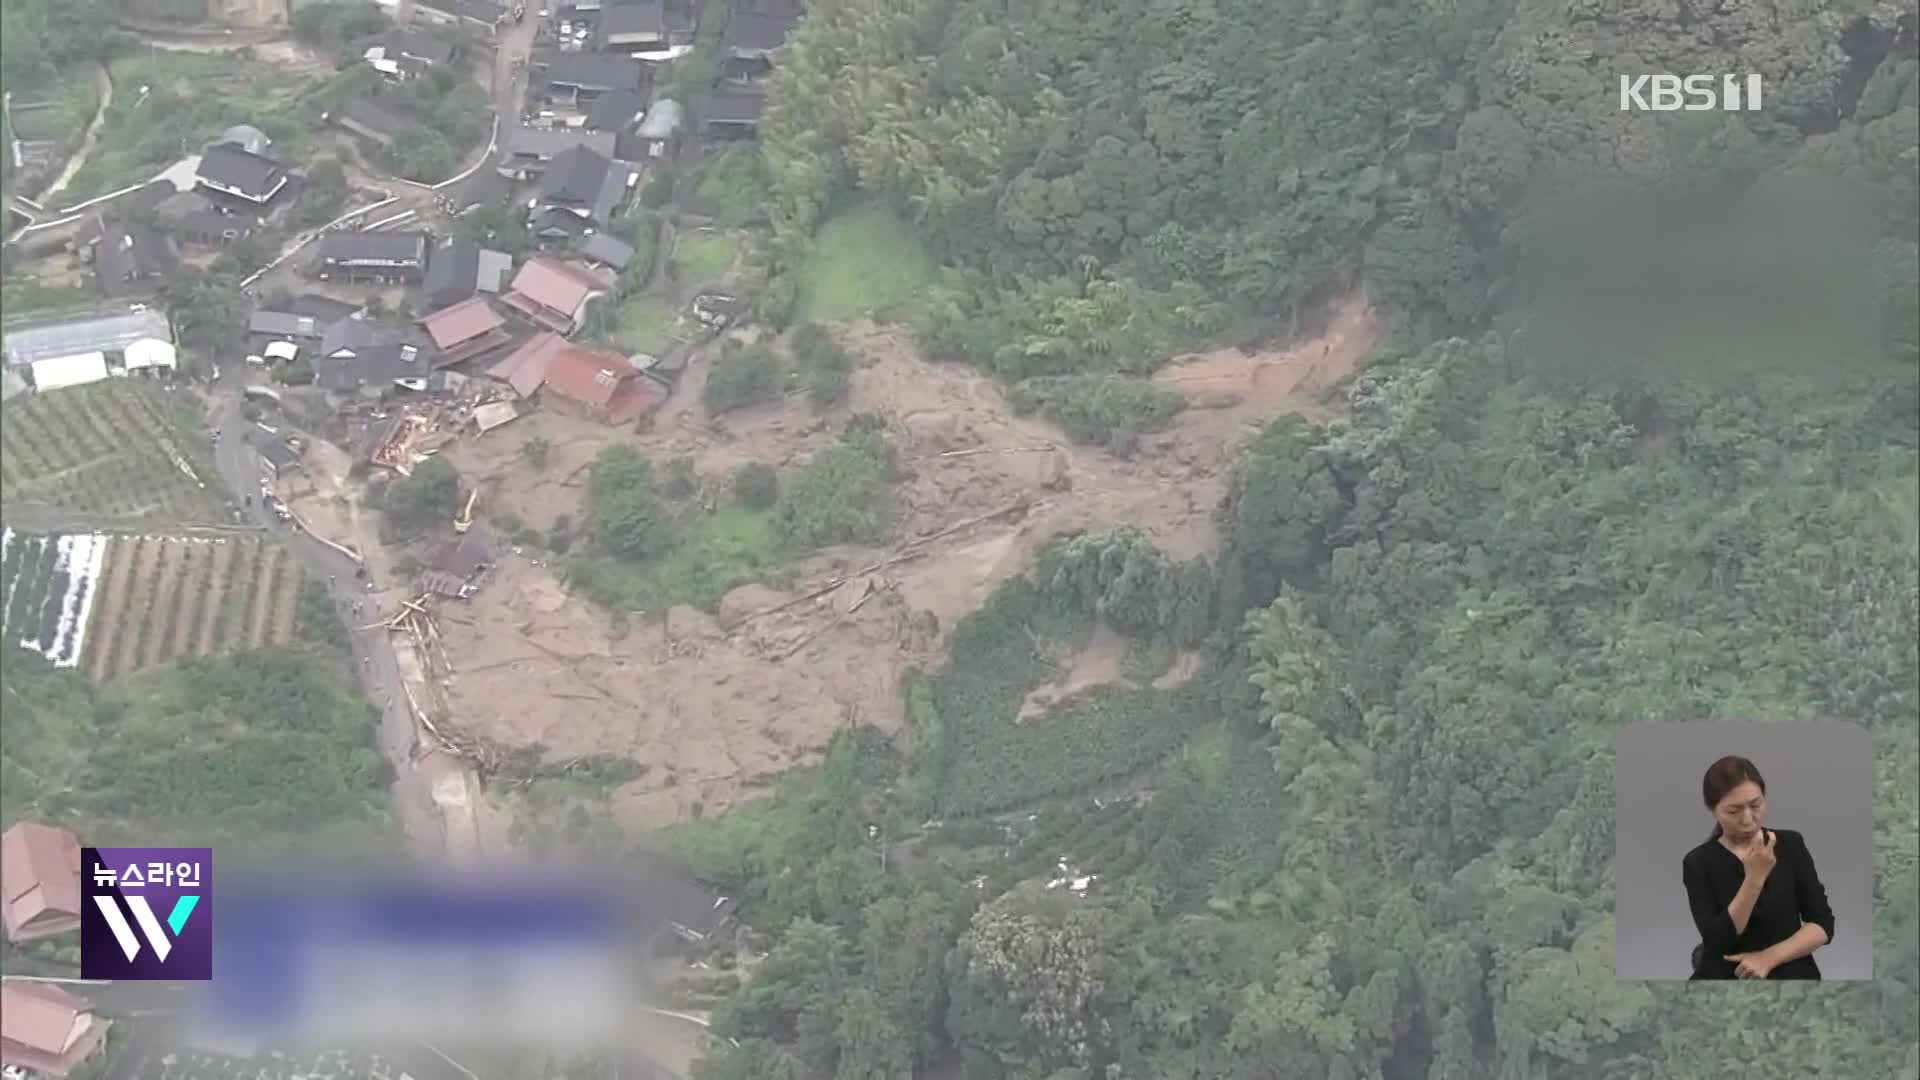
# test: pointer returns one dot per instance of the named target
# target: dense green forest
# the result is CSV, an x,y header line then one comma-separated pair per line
x,y
1644,444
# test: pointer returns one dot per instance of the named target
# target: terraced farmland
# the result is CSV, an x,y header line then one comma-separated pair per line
x,y
120,449
162,597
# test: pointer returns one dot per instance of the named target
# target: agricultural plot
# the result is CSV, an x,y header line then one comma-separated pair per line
x,y
121,449
161,597
47,590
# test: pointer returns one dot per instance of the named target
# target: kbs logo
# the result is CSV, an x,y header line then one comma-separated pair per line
x,y
1695,93
121,933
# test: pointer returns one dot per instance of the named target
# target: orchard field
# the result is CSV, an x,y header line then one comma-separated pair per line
x,y
118,449
161,597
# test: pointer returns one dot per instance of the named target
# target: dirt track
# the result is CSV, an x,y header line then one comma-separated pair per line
x,y
714,707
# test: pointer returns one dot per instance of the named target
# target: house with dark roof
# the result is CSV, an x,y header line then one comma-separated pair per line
x,y
465,330
755,33
40,872
632,26
47,1030
682,18
530,149
460,268
361,356
132,258
550,294
579,78
731,114
616,111
393,255
229,170
582,185
608,250
325,309
287,326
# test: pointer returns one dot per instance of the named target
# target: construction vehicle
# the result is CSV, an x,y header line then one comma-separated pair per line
x,y
465,521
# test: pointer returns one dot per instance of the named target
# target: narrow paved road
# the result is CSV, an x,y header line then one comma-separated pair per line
x,y
241,470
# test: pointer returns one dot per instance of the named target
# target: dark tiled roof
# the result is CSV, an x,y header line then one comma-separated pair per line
x,y
725,108
454,271
634,17
615,110
324,309
575,177
753,31
605,247
397,245
379,355
250,173
596,71
285,324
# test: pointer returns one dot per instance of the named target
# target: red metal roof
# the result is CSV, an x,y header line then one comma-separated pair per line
x,y
525,368
462,322
588,376
40,872
551,285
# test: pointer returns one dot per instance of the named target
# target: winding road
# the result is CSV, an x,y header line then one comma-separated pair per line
x,y
241,470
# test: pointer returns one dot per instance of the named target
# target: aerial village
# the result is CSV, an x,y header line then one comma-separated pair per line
x,y
387,330
394,327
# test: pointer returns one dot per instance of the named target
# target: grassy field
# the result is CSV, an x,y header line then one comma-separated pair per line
x,y
703,256
77,96
712,555
648,324
191,98
865,264
120,449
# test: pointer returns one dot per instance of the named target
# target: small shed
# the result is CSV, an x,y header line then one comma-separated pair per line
x,y
150,353
59,371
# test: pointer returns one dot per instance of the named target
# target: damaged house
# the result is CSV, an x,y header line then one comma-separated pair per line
x,y
456,568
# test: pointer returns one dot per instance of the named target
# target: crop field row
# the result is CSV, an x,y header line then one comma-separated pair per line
x,y
120,448
47,588
162,597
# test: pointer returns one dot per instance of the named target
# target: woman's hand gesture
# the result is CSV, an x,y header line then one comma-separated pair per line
x,y
1758,858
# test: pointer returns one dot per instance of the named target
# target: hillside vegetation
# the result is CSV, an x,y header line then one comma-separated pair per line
x,y
1644,446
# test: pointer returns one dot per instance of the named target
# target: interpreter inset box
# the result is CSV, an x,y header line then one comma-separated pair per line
x,y
1743,851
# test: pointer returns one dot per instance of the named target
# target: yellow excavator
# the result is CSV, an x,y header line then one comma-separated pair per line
x,y
465,521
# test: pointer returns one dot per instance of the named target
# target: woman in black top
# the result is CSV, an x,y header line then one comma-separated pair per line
x,y
1755,896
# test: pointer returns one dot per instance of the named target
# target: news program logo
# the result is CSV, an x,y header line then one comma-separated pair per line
x,y
1695,93
146,914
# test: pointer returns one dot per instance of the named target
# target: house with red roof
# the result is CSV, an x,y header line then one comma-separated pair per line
x,y
40,871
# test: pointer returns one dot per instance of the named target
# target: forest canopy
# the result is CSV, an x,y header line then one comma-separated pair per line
x,y
1644,443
